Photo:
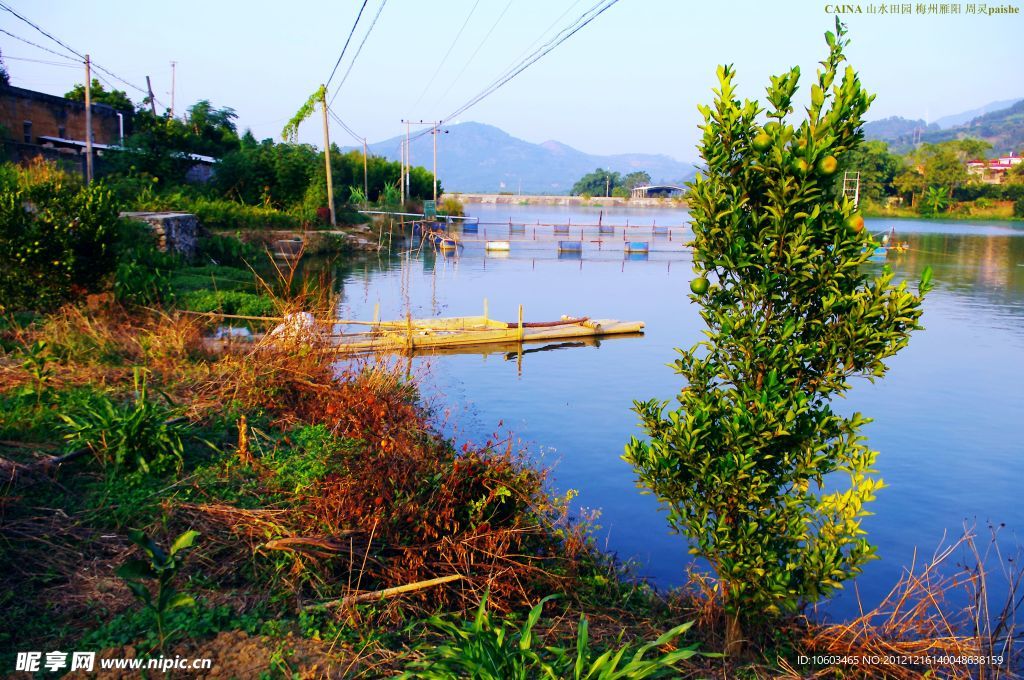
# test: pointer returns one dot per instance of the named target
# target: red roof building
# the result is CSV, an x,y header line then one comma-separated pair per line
x,y
994,171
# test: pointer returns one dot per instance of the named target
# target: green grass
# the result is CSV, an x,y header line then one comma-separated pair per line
x,y
228,302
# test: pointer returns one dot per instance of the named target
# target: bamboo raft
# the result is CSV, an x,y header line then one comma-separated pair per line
x,y
412,334
441,335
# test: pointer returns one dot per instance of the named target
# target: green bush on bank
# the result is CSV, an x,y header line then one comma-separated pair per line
x,y
228,302
56,237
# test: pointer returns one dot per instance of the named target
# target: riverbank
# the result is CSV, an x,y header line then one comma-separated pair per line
x,y
577,201
992,211
333,519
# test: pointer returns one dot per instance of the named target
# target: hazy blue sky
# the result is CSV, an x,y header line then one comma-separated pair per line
x,y
628,82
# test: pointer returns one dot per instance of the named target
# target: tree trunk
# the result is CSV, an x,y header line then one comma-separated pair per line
x,y
733,635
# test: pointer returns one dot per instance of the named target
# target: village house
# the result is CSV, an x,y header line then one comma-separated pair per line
x,y
39,124
994,171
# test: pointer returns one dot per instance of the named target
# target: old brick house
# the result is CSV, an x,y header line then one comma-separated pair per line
x,y
34,123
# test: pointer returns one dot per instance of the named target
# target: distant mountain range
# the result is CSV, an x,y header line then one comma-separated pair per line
x,y
478,158
999,123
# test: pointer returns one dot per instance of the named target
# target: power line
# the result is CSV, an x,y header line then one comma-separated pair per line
x,y
356,55
553,41
563,35
540,37
73,51
581,22
478,48
445,57
35,26
45,49
345,126
522,54
345,47
42,61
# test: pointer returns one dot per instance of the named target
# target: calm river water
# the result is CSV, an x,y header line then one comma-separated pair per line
x,y
949,417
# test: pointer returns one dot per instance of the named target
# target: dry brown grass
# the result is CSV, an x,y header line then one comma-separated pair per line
x,y
916,620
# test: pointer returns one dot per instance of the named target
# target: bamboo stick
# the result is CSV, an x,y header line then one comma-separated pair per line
x,y
388,592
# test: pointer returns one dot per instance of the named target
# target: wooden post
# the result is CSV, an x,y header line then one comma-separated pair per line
x,y
408,164
88,121
520,323
366,184
152,99
327,156
485,310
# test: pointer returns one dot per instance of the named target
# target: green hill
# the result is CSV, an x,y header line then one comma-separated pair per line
x,y
1004,129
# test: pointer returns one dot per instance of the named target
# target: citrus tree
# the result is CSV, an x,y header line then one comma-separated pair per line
x,y
742,460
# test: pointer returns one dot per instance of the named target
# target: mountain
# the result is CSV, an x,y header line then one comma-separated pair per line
x,y
1003,128
473,157
956,119
897,130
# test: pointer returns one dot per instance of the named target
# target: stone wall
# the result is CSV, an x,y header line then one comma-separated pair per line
x,y
175,232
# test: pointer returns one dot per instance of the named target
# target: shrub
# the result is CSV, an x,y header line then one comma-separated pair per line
x,y
791,319
228,302
1018,207
56,237
451,205
143,274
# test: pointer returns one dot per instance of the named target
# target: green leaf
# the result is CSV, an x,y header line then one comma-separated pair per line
x,y
183,541
180,600
135,569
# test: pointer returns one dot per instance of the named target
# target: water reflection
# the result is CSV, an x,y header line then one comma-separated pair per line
x,y
947,417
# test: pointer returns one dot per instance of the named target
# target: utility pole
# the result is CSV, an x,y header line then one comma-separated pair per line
x,y
436,131
327,155
152,99
607,185
408,156
88,121
401,175
173,64
366,184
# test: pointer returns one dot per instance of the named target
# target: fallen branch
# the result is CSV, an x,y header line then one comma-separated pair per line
x,y
311,545
387,592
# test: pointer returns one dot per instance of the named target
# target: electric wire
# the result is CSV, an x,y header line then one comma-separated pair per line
x,y
518,60
356,55
345,126
578,24
45,49
75,52
478,48
574,28
345,47
455,41
42,61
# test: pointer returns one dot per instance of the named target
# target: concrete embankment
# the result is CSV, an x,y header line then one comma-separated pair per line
x,y
576,201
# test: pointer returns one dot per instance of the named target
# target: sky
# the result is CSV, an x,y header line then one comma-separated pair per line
x,y
628,82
